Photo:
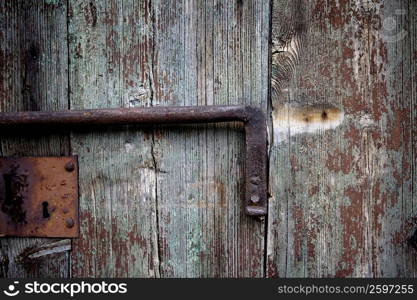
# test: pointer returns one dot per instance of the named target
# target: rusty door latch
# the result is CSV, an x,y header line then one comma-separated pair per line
x,y
255,169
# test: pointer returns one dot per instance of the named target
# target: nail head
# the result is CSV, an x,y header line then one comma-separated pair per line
x,y
69,223
69,167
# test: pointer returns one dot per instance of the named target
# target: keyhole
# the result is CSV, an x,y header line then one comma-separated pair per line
x,y
45,210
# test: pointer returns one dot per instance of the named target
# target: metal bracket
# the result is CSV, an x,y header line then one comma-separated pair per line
x,y
254,121
39,196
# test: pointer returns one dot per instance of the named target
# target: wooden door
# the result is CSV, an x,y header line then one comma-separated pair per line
x,y
336,79
154,202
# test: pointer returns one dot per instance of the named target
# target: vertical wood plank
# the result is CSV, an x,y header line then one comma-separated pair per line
x,y
343,199
110,66
207,52
33,76
166,202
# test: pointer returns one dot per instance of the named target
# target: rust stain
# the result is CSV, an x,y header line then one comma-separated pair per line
x,y
221,190
395,138
353,136
325,70
347,52
294,163
272,269
355,103
120,248
312,236
351,217
83,253
135,237
333,12
347,74
379,94
135,63
339,162
112,44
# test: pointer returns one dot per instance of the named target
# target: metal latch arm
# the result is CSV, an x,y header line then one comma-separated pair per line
x,y
253,119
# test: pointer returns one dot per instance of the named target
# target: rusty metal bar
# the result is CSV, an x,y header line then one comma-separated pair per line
x,y
253,119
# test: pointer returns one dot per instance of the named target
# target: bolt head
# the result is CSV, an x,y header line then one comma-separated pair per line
x,y
69,222
69,167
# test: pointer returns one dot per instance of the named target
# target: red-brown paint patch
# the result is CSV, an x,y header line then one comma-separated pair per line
x,y
298,217
339,162
313,190
272,269
351,216
394,141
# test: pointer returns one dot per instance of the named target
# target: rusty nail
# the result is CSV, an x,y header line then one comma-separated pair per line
x,y
69,222
65,210
69,167
254,198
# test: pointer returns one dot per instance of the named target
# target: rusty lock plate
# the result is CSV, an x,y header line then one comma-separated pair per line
x,y
39,196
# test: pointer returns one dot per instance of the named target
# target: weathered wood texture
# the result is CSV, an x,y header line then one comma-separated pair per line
x,y
110,63
33,76
155,202
344,201
208,53
166,202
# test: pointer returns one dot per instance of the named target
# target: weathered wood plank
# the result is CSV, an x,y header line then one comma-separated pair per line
x,y
207,52
179,187
33,76
110,66
343,198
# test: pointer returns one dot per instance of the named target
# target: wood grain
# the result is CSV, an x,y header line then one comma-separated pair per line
x,y
157,201
344,199
33,76
110,61
207,53
166,201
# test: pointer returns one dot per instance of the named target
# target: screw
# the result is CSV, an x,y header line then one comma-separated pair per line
x,y
69,167
69,223
254,198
